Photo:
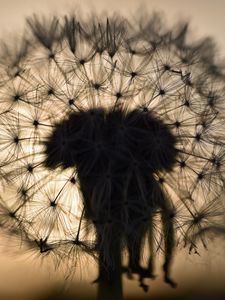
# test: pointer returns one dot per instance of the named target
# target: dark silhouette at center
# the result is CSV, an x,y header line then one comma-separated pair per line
x,y
117,155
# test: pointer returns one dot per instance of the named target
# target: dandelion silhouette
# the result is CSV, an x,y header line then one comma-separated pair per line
x,y
111,142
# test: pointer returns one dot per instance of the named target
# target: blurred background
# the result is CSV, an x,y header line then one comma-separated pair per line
x,y
23,275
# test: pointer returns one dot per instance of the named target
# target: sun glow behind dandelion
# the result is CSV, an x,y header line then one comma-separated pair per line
x,y
72,92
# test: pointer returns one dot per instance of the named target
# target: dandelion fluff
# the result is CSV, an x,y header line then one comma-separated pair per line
x,y
107,129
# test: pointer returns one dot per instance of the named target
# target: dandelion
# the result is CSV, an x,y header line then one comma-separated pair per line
x,y
111,141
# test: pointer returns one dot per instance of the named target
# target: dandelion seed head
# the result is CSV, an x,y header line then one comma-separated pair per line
x,y
105,125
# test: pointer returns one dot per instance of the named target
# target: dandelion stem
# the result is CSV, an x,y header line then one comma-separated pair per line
x,y
110,288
